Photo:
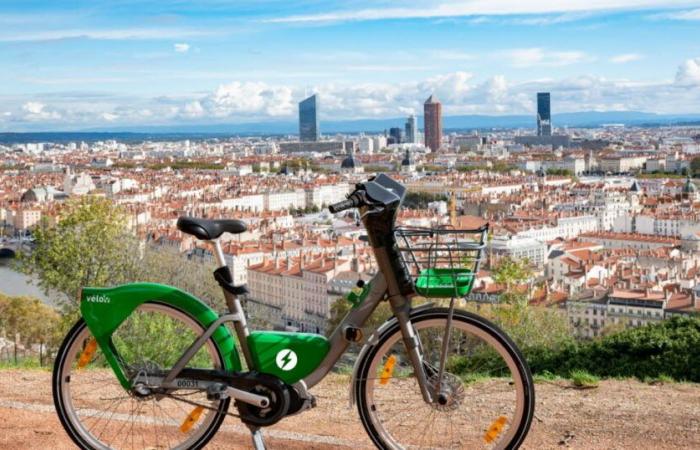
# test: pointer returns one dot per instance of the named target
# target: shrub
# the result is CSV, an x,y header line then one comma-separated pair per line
x,y
667,349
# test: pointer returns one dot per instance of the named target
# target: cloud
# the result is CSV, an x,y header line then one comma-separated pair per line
x,y
688,73
460,92
530,57
693,14
461,8
626,58
181,48
38,111
104,34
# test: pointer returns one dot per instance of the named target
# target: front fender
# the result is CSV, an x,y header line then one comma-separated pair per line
x,y
105,309
373,340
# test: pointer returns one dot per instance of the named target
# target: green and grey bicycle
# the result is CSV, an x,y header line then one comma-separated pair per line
x,y
149,366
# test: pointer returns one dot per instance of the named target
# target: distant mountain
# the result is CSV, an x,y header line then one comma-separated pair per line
x,y
462,122
329,127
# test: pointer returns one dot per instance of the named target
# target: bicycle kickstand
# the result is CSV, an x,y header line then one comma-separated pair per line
x,y
258,442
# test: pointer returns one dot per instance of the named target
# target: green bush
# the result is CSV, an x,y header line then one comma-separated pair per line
x,y
667,349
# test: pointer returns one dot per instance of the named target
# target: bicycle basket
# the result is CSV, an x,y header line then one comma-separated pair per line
x,y
443,261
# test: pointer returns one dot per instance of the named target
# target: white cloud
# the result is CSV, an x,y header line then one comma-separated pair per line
x,y
103,34
530,57
460,92
693,14
38,111
109,117
182,48
689,73
249,99
461,8
626,58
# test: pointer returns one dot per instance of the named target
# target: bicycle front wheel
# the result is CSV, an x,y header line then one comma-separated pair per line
x,y
98,413
488,399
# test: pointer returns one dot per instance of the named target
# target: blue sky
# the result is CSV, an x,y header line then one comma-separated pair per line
x,y
87,64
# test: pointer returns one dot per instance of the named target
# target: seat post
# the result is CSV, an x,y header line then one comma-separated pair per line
x,y
234,306
219,253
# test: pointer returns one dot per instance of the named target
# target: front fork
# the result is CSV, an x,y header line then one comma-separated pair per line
x,y
402,311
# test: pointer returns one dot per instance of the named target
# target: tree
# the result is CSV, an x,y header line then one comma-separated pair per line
x,y
90,246
511,273
695,166
341,306
28,322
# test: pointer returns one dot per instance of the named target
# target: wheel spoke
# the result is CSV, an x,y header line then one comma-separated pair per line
x,y
481,383
102,414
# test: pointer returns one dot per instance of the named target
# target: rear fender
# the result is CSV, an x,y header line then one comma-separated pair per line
x,y
105,309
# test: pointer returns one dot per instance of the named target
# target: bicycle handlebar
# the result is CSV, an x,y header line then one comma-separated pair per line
x,y
353,201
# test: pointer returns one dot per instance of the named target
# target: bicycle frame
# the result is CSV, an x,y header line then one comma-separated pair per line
x,y
379,290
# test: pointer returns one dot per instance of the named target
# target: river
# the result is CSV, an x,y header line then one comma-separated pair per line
x,y
14,283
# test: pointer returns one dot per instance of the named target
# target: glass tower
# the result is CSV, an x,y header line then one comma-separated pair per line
x,y
308,119
411,128
544,114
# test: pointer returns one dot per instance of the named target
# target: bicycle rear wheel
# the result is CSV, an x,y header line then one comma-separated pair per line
x,y
489,394
98,413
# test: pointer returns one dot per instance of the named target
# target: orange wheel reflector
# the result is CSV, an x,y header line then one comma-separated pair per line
x,y
88,353
191,419
495,429
388,370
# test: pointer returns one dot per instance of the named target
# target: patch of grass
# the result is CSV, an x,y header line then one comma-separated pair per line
x,y
546,377
583,379
24,363
661,379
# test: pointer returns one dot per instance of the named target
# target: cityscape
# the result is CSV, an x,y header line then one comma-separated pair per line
x,y
476,223
605,216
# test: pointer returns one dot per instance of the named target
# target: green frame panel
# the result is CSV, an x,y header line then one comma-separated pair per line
x,y
104,309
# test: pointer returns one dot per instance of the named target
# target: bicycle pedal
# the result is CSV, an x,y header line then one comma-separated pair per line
x,y
217,391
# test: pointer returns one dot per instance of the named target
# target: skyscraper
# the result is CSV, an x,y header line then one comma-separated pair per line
x,y
308,119
432,110
411,130
544,114
395,135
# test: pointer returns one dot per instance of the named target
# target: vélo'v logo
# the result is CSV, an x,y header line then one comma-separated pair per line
x,y
286,359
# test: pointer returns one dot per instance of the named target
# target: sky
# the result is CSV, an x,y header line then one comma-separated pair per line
x,y
102,64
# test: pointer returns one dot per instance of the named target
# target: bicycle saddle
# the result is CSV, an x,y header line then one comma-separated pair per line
x,y
207,230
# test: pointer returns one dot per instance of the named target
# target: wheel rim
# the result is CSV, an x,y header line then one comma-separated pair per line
x,y
105,416
402,419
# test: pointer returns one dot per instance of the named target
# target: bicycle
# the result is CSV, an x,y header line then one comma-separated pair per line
x,y
151,366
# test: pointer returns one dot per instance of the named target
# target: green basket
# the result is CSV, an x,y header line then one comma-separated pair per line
x,y
444,282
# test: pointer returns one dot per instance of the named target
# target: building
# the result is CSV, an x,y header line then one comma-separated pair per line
x,y
395,135
407,164
308,119
411,133
432,110
366,145
544,114
519,248
350,164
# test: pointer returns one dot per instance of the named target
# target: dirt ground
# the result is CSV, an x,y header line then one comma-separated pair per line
x,y
615,415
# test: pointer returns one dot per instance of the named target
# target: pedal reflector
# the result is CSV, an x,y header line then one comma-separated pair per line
x,y
388,370
495,429
88,353
191,419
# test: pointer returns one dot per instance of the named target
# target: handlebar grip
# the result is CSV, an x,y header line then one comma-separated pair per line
x,y
342,206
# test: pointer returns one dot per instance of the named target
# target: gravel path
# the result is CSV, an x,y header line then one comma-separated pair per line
x,y
615,415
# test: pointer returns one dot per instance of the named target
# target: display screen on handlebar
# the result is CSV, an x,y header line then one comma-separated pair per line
x,y
385,191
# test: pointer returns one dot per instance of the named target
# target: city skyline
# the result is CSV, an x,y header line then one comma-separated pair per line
x,y
99,64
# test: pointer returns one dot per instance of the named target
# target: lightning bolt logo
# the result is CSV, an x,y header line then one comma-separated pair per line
x,y
286,359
